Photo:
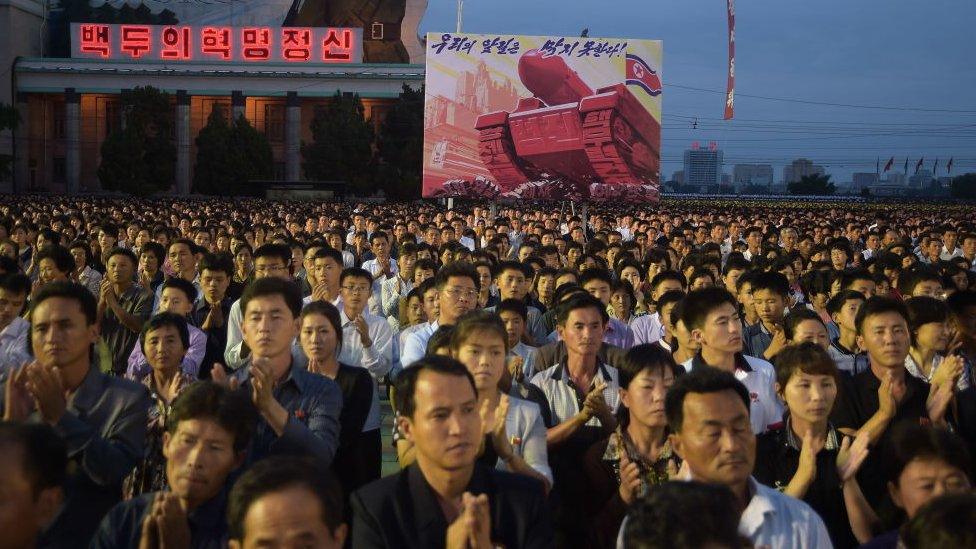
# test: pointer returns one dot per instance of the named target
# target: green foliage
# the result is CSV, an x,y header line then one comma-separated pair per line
x,y
342,145
229,157
400,147
8,121
964,186
815,185
141,159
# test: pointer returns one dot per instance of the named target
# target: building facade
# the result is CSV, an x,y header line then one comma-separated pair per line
x,y
68,105
703,168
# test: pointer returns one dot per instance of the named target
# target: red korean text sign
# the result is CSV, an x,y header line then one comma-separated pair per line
x,y
208,43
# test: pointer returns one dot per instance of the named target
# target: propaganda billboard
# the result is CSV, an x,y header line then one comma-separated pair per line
x,y
542,117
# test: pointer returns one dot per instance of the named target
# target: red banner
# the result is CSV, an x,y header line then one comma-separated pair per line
x,y
730,88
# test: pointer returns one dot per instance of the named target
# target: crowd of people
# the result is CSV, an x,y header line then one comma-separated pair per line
x,y
181,373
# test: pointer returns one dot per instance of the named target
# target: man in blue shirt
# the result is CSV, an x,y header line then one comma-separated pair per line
x,y
299,410
207,433
101,418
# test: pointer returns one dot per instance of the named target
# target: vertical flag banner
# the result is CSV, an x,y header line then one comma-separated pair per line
x,y
949,166
918,166
542,117
888,165
730,88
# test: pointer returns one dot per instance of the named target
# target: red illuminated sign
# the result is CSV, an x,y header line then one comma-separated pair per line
x,y
180,43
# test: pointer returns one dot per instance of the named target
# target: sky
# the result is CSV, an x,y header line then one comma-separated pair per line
x,y
904,69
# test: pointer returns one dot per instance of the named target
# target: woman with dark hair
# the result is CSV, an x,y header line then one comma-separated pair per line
x,y
164,341
624,466
358,458
622,301
809,459
83,272
929,357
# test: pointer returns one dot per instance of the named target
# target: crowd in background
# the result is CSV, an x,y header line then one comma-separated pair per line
x,y
182,373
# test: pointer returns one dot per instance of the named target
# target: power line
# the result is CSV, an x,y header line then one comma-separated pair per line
x,y
824,103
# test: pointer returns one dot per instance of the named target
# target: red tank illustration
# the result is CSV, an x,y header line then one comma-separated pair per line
x,y
600,142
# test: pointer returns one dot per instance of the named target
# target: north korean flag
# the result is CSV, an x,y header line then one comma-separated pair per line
x,y
641,74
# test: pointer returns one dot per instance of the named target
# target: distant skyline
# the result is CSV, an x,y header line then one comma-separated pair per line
x,y
910,62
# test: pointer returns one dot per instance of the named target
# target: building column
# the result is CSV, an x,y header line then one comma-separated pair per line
x,y
22,146
182,143
72,142
237,103
293,136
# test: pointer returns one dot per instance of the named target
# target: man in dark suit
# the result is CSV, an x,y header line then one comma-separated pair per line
x,y
448,498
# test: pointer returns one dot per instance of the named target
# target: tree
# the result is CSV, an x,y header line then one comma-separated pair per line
x,y
342,144
964,186
141,159
400,146
817,185
8,121
229,157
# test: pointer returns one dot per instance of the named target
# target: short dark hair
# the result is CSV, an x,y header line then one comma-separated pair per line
x,y
478,321
836,303
879,305
439,340
59,255
946,521
15,283
683,515
217,262
924,310
514,306
279,251
598,273
668,275
156,249
910,278
66,290
232,410
269,286
503,266
327,252
797,316
355,272
698,304
122,251
44,453
278,473
808,358
911,441
582,301
646,356
160,320
701,379
406,382
456,269
184,286
772,281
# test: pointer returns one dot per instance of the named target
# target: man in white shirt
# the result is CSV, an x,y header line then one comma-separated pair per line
x,y
712,315
381,268
708,414
397,287
14,288
457,294
367,339
269,260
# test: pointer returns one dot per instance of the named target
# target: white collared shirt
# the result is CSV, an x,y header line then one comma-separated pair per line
x,y
376,298
773,519
415,344
13,344
377,359
563,399
765,410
